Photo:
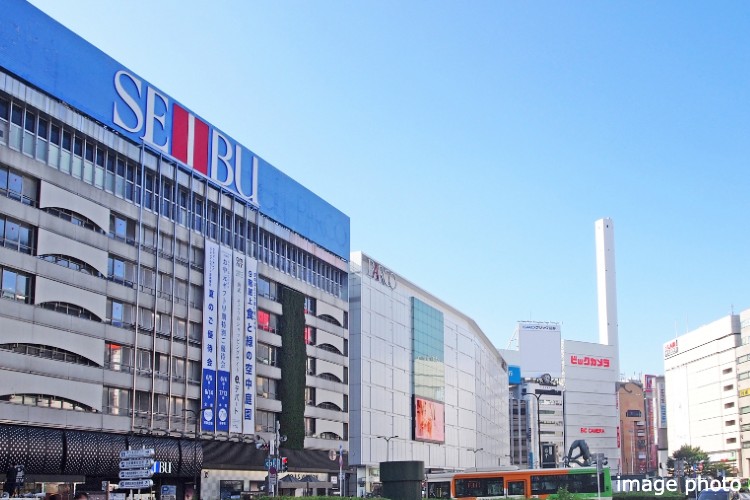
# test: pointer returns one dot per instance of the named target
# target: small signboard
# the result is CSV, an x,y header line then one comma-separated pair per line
x,y
168,492
143,453
137,463
136,484
136,473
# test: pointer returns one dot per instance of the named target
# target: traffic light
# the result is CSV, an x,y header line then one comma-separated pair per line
x,y
284,464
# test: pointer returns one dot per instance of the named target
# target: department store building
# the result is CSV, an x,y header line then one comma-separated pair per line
x,y
426,382
162,285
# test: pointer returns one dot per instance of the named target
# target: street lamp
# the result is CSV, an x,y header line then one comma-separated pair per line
x,y
475,450
387,446
538,426
197,415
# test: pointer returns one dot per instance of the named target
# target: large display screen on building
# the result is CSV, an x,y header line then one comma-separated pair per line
x,y
429,420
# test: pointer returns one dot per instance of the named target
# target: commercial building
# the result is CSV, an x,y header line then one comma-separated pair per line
x,y
633,427
574,396
426,382
706,372
591,412
162,285
537,395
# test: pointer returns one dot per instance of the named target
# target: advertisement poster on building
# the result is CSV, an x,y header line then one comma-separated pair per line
x,y
429,424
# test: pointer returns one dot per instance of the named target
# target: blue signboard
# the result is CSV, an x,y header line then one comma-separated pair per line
x,y
41,51
514,375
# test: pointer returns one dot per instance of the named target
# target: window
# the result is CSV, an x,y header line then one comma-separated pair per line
x,y
71,263
730,422
309,335
194,371
726,371
161,364
265,387
120,271
310,396
16,186
180,290
195,332
121,228
48,352
180,329
15,285
116,401
728,405
70,310
265,421
267,321
118,357
310,306
310,366
74,218
120,313
266,354
165,285
309,427
267,288
16,235
178,368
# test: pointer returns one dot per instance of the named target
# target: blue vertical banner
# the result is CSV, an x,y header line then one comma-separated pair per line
x,y
237,341
210,294
248,403
223,365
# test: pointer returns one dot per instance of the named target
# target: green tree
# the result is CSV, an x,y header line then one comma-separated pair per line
x,y
691,454
697,462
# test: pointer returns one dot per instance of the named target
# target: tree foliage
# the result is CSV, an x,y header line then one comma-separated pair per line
x,y
697,461
691,454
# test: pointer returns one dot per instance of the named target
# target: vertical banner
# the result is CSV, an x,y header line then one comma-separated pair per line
x,y
210,293
237,342
222,353
248,422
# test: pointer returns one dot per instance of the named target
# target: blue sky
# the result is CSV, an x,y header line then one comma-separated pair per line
x,y
474,144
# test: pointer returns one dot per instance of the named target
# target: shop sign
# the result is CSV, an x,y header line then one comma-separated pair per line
x,y
380,273
670,348
592,430
589,361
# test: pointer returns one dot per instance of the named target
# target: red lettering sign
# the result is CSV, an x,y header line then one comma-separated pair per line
x,y
592,430
589,361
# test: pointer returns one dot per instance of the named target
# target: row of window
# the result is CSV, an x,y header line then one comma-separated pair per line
x,y
72,153
48,352
117,401
45,401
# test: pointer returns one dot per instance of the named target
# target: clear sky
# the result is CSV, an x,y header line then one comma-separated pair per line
x,y
475,143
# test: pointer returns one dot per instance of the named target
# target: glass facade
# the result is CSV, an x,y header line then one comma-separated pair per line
x,y
428,347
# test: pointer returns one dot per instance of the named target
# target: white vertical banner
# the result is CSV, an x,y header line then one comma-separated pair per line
x,y
237,342
210,293
222,352
251,281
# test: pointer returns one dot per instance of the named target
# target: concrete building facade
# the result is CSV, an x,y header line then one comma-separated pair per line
x,y
704,389
426,382
163,286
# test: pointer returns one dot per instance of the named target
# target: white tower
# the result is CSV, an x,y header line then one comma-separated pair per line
x,y
606,284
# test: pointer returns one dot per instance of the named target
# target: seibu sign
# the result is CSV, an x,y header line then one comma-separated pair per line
x,y
165,125
589,361
382,274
